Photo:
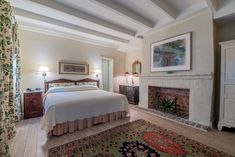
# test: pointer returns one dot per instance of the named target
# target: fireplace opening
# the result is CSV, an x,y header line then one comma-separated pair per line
x,y
174,101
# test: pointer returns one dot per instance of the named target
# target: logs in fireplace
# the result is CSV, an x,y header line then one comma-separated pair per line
x,y
167,105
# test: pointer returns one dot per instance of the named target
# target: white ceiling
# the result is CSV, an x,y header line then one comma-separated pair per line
x,y
111,23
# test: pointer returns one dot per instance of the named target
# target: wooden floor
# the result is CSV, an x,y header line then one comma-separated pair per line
x,y
31,141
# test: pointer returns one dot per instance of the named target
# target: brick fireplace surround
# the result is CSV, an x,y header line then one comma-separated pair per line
x,y
181,94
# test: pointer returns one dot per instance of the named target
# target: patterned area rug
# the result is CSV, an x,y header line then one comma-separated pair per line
x,y
135,139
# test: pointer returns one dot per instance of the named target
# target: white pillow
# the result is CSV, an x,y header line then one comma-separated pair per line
x,y
61,84
86,83
62,89
71,88
87,87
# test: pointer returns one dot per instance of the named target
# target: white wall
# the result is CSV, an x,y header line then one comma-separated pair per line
x,y
38,49
226,31
199,80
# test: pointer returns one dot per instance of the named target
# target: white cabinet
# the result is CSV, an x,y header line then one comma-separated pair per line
x,y
227,85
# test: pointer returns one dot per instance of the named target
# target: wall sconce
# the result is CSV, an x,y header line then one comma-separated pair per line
x,y
97,72
43,70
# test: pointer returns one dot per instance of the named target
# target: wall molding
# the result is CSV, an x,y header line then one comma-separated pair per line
x,y
193,76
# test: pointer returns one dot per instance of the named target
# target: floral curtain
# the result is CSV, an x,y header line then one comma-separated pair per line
x,y
10,104
16,75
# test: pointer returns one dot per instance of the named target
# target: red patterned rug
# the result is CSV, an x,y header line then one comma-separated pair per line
x,y
135,139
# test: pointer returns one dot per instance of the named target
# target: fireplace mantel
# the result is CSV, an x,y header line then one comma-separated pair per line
x,y
200,98
192,76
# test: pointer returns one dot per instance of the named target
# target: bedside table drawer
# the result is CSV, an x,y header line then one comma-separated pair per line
x,y
33,100
28,95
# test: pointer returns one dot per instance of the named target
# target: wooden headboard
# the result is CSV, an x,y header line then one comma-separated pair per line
x,y
69,81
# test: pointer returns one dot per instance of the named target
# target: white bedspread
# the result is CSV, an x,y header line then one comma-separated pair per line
x,y
61,107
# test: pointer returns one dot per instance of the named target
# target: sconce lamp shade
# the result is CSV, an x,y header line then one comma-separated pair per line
x,y
43,69
97,71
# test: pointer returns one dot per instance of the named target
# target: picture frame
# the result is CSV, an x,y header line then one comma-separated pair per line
x,y
75,68
171,54
136,67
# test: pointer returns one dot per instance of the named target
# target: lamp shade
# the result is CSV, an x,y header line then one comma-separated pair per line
x,y
97,71
43,69
135,73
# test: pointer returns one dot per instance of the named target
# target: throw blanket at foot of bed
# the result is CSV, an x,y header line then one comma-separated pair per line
x,y
69,127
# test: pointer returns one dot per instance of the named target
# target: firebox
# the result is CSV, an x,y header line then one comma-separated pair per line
x,y
171,100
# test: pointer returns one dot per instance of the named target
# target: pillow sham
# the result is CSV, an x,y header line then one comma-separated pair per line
x,y
87,87
61,84
86,83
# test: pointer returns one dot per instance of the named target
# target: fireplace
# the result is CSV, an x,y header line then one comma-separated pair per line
x,y
178,96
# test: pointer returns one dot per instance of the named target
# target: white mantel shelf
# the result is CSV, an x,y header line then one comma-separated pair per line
x,y
195,76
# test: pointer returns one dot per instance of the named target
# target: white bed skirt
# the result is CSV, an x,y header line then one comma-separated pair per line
x,y
72,126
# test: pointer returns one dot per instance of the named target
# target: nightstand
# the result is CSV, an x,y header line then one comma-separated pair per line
x,y
131,92
33,104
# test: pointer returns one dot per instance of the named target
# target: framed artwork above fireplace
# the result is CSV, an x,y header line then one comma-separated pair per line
x,y
172,54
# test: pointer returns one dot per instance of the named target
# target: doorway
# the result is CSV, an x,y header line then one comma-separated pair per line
x,y
107,74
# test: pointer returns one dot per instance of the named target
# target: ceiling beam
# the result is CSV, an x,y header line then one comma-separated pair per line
x,y
213,5
125,12
226,10
165,8
74,27
85,16
32,28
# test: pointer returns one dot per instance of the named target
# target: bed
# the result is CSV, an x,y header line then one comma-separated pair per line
x,y
75,105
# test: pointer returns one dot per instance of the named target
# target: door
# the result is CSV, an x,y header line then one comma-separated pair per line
x,y
105,74
227,86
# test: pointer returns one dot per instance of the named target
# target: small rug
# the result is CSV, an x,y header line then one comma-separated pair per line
x,y
135,139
